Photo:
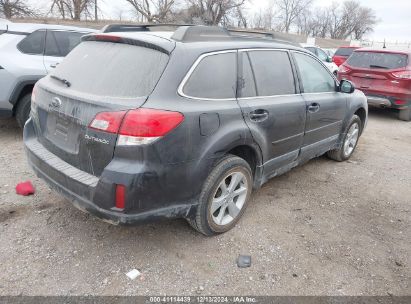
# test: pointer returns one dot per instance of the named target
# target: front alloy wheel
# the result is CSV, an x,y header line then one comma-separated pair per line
x,y
351,139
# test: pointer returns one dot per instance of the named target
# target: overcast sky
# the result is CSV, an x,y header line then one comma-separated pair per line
x,y
394,15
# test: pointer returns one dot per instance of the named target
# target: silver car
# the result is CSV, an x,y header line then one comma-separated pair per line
x,y
27,53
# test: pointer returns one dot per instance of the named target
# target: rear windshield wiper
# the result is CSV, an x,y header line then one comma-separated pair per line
x,y
373,66
65,81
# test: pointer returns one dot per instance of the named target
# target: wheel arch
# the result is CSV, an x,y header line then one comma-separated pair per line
x,y
21,89
251,153
362,114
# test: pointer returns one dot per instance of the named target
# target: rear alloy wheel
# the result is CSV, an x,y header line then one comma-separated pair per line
x,y
23,110
405,114
224,197
350,141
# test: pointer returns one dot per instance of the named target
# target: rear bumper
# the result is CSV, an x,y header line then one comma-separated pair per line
x,y
378,101
385,101
93,194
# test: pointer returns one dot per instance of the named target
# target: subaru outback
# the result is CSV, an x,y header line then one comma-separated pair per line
x,y
135,127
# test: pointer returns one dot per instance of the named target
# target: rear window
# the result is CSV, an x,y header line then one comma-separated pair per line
x,y
378,60
344,52
112,69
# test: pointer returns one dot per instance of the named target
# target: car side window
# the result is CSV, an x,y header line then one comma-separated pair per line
x,y
315,77
246,84
60,43
272,72
215,77
322,55
33,44
312,50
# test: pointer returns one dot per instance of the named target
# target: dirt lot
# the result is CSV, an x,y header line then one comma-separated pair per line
x,y
325,228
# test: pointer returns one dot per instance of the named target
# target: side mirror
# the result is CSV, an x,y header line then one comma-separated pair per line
x,y
329,59
346,86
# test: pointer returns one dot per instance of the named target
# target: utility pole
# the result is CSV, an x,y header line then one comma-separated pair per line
x,y
95,11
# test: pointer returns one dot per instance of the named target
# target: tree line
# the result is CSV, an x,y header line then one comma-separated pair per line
x,y
339,20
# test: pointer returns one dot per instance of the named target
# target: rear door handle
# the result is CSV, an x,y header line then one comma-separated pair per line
x,y
258,115
314,107
54,65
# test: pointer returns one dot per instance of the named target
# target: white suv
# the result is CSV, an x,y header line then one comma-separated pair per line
x,y
324,57
27,53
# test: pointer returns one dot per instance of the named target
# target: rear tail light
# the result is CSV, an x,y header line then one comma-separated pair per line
x,y
109,122
400,102
343,69
137,127
402,74
143,126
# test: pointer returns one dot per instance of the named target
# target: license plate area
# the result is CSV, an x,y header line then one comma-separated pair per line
x,y
63,131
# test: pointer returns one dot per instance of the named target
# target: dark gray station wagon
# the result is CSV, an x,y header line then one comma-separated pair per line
x,y
135,127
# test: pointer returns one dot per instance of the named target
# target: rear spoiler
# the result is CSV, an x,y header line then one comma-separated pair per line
x,y
110,28
152,42
6,30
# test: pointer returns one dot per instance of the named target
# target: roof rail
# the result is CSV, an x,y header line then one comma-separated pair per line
x,y
199,33
192,32
262,34
110,28
247,32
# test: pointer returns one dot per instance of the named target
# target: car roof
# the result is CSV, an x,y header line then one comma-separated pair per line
x,y
390,51
349,47
31,27
4,21
210,44
162,34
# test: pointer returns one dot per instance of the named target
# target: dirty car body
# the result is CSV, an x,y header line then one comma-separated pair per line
x,y
78,138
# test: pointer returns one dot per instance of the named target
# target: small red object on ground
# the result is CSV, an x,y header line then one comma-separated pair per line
x,y
25,188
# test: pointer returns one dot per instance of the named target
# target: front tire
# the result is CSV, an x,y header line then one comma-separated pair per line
x,y
23,110
352,134
224,196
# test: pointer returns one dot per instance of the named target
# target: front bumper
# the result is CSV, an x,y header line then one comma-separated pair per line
x,y
93,194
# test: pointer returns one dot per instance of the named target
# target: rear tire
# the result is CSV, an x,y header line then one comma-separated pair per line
x,y
224,196
23,110
352,135
405,115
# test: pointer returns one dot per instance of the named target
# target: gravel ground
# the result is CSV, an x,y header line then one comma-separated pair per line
x,y
325,228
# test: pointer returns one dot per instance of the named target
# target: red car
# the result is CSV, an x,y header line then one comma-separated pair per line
x,y
342,54
384,76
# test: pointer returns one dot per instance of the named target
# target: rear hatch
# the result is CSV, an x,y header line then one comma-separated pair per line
x,y
97,76
374,72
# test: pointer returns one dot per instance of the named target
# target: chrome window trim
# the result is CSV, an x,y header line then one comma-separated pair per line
x,y
264,49
270,96
201,57
191,70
